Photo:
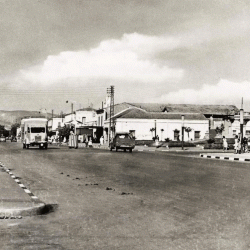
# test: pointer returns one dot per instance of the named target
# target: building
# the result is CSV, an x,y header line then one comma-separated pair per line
x,y
54,124
146,120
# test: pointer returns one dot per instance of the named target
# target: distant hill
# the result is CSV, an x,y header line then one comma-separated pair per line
x,y
7,118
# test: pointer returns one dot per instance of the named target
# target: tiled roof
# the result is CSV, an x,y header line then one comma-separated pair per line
x,y
141,114
187,108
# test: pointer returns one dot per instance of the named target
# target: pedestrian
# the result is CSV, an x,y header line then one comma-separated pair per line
x,y
86,141
101,140
90,142
225,145
236,144
245,145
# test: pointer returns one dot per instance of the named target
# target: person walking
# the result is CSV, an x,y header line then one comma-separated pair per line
x,y
225,144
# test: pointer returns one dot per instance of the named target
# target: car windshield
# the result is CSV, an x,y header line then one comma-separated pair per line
x,y
38,130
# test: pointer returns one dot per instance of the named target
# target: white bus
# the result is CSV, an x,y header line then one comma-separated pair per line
x,y
34,132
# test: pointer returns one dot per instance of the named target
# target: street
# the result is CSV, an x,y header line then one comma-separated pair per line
x,y
121,200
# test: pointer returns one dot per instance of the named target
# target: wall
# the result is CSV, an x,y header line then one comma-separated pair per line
x,y
142,128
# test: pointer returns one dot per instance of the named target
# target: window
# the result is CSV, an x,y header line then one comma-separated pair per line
x,y
196,134
234,132
38,130
247,132
132,132
83,119
176,135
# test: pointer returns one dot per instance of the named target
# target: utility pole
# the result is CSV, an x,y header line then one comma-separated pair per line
x,y
182,132
111,92
241,122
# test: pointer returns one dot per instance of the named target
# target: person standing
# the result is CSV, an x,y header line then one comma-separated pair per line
x,y
101,140
236,144
225,145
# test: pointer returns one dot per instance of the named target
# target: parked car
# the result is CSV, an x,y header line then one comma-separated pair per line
x,y
122,141
3,138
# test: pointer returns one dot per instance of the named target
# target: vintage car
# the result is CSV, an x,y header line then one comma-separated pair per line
x,y
123,141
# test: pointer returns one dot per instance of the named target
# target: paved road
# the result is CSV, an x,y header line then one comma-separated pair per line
x,y
117,200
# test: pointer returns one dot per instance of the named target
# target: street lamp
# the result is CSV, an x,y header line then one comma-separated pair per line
x,y
182,131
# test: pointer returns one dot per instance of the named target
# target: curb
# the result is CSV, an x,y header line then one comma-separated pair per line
x,y
36,209
225,158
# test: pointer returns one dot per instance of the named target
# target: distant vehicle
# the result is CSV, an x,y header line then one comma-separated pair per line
x,y
3,138
34,132
122,141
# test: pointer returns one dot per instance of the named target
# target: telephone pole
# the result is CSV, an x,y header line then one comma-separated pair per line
x,y
111,92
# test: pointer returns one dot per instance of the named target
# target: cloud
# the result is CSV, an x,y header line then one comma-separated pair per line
x,y
130,59
225,92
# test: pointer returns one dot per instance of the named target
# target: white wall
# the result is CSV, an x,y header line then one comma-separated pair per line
x,y
236,128
54,124
91,117
142,128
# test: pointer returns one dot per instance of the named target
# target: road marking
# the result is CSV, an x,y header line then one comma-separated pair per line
x,y
26,190
224,158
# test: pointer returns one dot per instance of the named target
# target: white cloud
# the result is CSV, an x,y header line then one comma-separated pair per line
x,y
225,92
130,59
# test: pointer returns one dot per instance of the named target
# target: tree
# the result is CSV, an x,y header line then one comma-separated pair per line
x,y
188,130
162,133
14,128
152,131
64,131
219,129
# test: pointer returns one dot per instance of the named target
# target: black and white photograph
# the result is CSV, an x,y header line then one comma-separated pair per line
x,y
124,124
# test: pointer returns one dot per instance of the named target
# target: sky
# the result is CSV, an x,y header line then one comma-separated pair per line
x,y
161,51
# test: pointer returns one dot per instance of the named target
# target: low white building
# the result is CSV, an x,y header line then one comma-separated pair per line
x,y
146,120
82,117
55,123
144,125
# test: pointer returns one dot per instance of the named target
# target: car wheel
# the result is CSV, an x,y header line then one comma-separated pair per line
x,y
116,149
24,146
124,149
130,150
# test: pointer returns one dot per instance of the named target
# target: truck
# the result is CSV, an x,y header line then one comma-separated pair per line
x,y
34,132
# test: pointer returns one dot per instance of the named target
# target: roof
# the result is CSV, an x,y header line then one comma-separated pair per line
x,y
187,108
178,108
136,113
86,109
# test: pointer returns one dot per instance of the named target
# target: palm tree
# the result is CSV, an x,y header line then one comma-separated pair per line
x,y
188,130
219,129
162,132
152,131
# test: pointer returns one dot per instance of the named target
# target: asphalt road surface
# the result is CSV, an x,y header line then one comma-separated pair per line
x,y
118,200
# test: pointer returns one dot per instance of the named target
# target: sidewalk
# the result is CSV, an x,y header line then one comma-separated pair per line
x,y
227,156
16,200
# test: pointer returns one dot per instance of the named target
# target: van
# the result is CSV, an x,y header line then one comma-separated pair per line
x,y
34,132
